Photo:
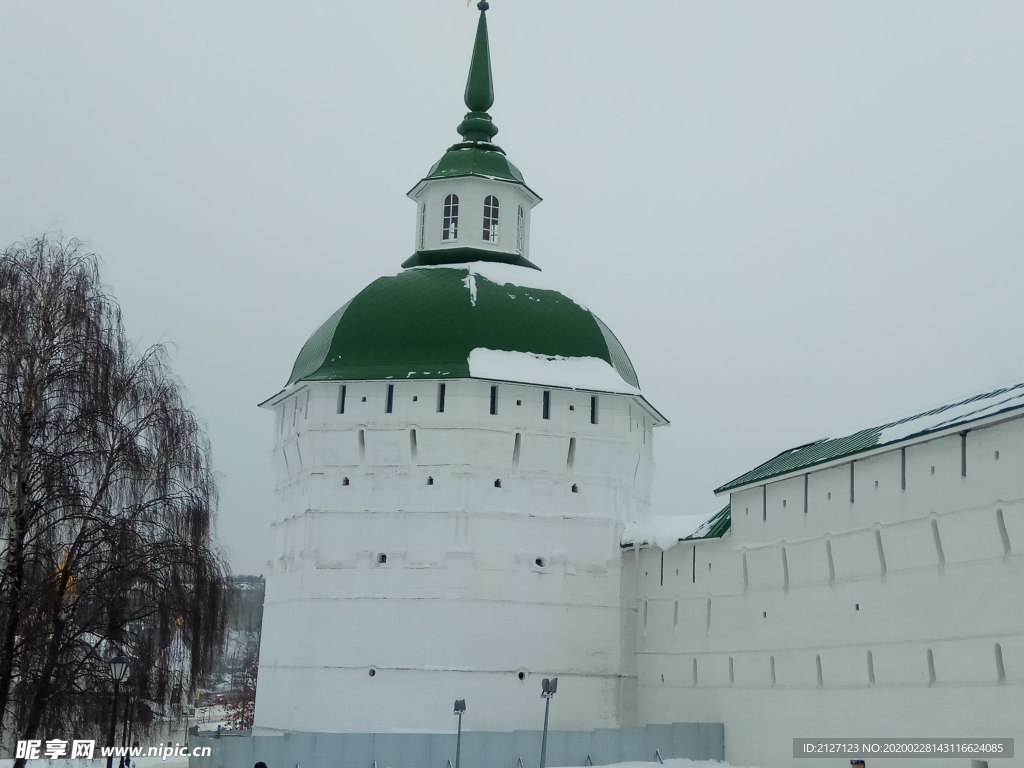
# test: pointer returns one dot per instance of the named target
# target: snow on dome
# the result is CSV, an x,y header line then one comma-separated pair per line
x,y
508,274
589,373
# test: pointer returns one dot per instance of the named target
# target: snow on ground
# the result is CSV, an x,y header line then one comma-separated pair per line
x,y
590,373
137,762
677,763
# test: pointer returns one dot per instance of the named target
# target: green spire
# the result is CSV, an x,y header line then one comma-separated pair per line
x,y
477,125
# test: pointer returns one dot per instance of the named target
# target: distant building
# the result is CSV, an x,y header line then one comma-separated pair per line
x,y
464,456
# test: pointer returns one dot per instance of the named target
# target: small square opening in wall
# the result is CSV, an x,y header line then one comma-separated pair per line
x,y
415,398
575,488
540,562
382,559
497,483
572,407
519,402
997,456
363,399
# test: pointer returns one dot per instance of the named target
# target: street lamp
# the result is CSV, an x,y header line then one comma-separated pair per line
x,y
460,710
548,689
118,672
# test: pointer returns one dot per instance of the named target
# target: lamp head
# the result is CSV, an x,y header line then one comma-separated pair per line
x,y
118,668
460,706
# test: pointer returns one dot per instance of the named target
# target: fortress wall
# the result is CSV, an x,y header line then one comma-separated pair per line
x,y
899,613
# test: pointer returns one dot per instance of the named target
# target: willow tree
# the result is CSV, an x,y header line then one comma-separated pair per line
x,y
107,500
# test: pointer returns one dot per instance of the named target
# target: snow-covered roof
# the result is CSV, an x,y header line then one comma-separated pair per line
x,y
664,531
1005,400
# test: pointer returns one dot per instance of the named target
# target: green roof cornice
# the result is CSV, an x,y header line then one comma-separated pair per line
x,y
479,96
464,255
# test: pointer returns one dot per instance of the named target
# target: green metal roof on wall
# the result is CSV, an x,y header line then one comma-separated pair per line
x,y
423,324
961,413
716,527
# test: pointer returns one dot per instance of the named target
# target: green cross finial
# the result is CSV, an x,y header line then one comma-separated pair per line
x,y
477,126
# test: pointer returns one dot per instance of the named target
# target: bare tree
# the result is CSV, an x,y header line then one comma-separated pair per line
x,y
107,499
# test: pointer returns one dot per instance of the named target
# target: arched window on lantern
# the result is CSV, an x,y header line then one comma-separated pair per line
x,y
450,222
490,219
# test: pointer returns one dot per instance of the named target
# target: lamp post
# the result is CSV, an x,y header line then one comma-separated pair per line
x,y
118,671
460,710
548,689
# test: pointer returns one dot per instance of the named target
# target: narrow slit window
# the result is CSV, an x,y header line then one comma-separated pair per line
x,y
490,219
450,221
593,409
521,231
494,401
389,403
423,225
440,398
546,409
341,399
570,459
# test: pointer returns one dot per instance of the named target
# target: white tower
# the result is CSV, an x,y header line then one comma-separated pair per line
x,y
457,450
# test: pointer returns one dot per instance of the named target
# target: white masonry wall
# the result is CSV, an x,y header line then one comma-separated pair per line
x,y
404,578
899,612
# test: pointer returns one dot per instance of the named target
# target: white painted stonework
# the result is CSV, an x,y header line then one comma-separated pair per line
x,y
886,599
404,577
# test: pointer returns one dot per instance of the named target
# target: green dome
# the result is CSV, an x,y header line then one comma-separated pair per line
x,y
425,323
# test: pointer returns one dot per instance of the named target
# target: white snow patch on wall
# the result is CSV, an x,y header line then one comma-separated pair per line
x,y
664,531
470,282
590,373
948,417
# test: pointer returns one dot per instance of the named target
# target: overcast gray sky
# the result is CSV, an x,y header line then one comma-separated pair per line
x,y
800,218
